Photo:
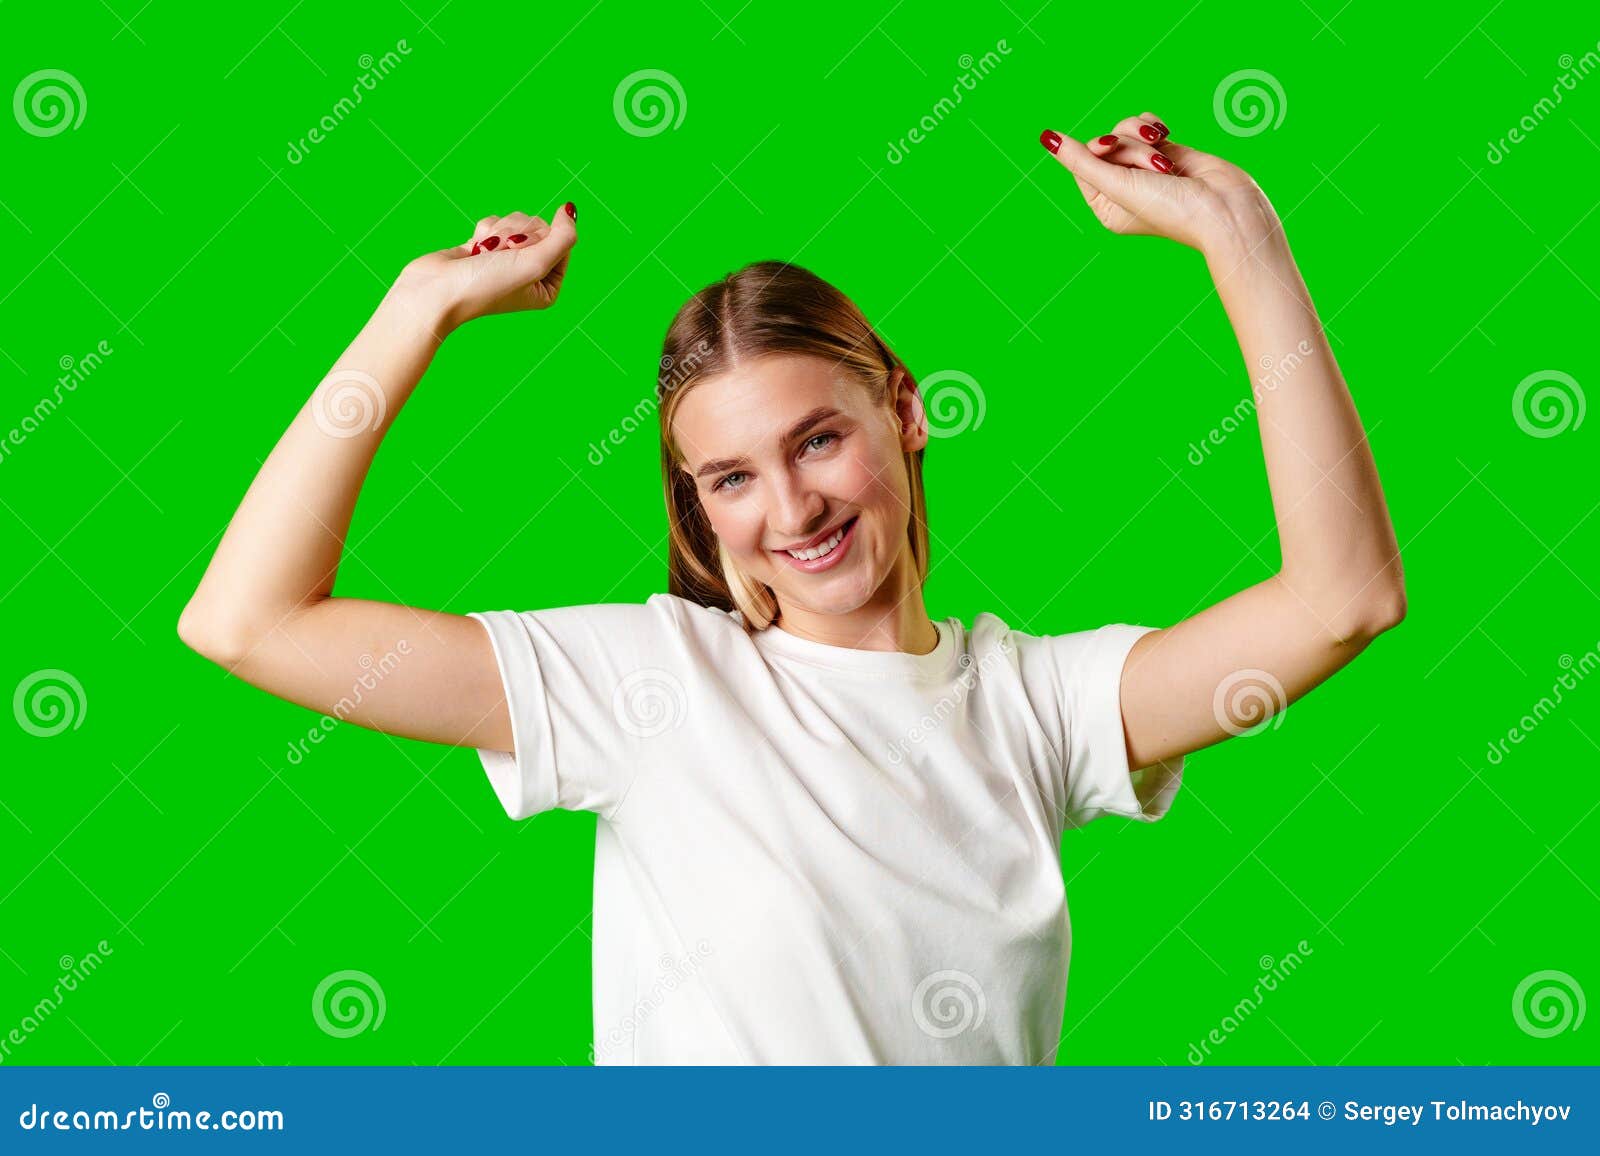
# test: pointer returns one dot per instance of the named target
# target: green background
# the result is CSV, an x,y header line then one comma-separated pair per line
x,y
170,224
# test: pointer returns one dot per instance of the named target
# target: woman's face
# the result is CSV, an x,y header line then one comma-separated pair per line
x,y
786,451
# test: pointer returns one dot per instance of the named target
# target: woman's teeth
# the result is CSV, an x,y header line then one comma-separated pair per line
x,y
818,551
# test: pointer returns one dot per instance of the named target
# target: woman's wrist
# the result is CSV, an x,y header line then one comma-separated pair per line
x,y
1244,231
1247,237
419,302
1264,295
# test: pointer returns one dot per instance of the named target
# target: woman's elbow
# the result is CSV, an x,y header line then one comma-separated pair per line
x,y
1374,613
200,633
1370,597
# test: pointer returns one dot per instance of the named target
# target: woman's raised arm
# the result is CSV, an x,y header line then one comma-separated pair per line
x,y
265,607
1339,583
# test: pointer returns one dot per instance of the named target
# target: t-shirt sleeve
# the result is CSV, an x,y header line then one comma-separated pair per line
x,y
588,689
1074,682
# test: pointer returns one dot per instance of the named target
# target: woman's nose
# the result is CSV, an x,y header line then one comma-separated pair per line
x,y
797,509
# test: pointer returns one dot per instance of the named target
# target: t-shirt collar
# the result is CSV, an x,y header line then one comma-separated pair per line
x,y
937,663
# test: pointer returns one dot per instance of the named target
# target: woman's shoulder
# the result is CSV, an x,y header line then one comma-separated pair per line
x,y
994,635
659,617
998,630
663,616
603,644
989,631
693,616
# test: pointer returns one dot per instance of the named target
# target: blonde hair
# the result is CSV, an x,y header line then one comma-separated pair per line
x,y
767,307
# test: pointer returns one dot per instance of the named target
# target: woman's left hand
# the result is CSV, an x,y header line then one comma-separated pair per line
x,y
1138,180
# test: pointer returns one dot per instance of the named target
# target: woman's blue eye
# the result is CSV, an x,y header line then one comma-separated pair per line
x,y
725,483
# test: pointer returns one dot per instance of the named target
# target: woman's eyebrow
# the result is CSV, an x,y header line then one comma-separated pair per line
x,y
821,413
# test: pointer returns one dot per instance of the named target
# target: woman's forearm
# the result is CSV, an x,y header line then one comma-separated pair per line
x,y
282,548
1338,544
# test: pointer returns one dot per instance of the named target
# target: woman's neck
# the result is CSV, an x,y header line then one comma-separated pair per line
x,y
895,618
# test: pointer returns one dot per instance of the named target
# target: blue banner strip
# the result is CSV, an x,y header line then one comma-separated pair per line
x,y
886,1110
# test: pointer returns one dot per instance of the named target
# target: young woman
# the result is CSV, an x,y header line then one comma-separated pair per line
x,y
829,825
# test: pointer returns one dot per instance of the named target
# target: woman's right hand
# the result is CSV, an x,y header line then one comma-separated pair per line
x,y
512,263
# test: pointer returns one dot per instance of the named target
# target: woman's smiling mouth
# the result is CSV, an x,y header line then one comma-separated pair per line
x,y
824,554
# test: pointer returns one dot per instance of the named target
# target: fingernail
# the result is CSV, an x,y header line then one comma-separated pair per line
x,y
1161,162
1051,139
1108,140
1149,132
517,238
1161,128
572,210
477,247
491,242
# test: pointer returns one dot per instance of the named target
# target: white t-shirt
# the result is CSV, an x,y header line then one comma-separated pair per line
x,y
813,854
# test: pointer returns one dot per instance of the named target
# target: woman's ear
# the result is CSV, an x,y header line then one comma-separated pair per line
x,y
908,410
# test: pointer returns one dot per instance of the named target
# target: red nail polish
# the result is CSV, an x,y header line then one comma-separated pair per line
x,y
491,242
1051,139
517,238
1161,162
1108,140
572,210
477,247
1161,128
1148,132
